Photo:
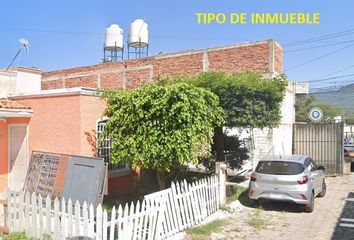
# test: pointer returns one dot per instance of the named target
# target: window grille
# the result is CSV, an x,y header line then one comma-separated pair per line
x,y
104,147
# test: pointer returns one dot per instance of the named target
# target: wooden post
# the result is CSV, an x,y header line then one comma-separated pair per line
x,y
220,171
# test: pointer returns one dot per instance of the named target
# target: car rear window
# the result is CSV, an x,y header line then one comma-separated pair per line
x,y
279,167
349,149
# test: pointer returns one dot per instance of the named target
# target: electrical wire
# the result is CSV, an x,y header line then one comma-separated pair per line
x,y
334,85
338,71
330,78
290,44
318,58
323,37
316,47
103,34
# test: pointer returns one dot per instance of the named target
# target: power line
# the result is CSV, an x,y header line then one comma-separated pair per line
x,y
102,34
334,85
291,44
315,47
323,37
49,31
318,58
330,78
338,71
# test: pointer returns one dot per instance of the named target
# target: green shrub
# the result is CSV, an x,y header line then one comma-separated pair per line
x,y
23,236
17,236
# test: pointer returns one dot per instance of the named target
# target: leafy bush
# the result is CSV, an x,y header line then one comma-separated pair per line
x,y
17,236
23,236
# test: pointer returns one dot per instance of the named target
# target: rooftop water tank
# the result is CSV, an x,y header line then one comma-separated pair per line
x,y
138,34
114,38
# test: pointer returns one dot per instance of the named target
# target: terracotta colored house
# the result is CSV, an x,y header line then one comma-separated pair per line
x,y
14,142
67,121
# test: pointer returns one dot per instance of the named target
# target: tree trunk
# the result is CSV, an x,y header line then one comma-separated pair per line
x,y
219,144
161,179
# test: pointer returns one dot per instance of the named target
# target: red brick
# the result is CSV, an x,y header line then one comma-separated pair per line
x,y
133,73
278,60
190,64
248,58
111,80
135,78
52,84
85,81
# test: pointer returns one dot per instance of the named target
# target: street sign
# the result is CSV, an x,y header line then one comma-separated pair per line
x,y
315,114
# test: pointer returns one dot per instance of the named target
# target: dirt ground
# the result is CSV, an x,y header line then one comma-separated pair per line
x,y
333,217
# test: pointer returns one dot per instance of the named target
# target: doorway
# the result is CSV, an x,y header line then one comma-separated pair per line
x,y
18,156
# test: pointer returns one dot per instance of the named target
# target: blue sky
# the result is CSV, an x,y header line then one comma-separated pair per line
x,y
66,34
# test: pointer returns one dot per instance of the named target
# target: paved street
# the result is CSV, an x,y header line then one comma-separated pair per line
x,y
333,217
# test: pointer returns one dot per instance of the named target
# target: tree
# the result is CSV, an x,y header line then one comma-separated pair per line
x,y
248,100
349,118
304,104
158,127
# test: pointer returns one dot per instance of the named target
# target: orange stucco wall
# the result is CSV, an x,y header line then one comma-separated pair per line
x,y
92,109
66,125
4,148
55,124
59,123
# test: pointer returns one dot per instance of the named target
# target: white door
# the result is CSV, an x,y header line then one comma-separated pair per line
x,y
18,156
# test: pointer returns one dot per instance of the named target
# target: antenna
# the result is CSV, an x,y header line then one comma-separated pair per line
x,y
24,45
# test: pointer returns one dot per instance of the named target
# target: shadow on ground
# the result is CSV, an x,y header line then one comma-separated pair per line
x,y
268,205
345,225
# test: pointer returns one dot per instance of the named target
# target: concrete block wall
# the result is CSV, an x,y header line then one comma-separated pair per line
x,y
263,144
19,80
264,57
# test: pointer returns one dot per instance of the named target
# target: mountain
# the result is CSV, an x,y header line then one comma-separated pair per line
x,y
342,98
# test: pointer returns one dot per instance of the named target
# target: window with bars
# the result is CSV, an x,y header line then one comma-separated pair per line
x,y
104,149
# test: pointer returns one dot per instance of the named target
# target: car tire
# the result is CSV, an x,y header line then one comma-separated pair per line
x,y
311,205
256,203
324,189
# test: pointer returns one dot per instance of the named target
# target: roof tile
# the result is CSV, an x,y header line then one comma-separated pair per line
x,y
10,104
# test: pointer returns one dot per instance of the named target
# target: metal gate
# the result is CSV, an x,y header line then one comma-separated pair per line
x,y
323,142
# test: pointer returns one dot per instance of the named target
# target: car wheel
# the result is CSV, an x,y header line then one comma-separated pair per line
x,y
324,189
256,203
311,205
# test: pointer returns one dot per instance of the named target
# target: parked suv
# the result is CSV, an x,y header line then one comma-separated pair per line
x,y
293,178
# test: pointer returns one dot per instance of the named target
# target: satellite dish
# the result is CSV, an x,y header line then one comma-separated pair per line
x,y
24,43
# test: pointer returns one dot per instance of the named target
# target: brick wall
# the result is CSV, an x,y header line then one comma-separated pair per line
x,y
264,57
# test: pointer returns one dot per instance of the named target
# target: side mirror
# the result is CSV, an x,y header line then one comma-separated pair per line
x,y
322,168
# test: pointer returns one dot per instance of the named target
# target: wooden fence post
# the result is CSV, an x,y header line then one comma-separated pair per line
x,y
220,171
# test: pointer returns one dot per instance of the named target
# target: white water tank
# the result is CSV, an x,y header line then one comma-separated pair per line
x,y
138,34
114,38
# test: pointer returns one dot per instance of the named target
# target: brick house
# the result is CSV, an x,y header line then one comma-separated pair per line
x,y
67,115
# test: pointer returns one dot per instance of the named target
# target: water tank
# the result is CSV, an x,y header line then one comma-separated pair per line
x,y
114,38
138,34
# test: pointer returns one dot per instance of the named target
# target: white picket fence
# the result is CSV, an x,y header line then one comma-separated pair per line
x,y
159,216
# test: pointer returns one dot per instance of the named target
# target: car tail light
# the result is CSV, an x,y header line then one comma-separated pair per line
x,y
303,180
253,177
250,193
